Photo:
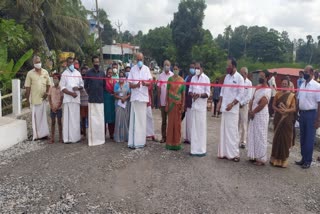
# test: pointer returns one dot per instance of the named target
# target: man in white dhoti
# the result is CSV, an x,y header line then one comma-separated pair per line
x,y
71,83
244,108
200,94
231,94
38,84
94,84
138,80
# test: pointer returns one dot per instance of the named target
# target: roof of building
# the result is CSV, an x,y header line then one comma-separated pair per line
x,y
286,71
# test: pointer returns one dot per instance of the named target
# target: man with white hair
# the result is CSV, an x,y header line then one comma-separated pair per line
x,y
243,112
162,92
38,84
139,80
71,83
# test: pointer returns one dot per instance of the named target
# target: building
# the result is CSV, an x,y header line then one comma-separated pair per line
x,y
123,52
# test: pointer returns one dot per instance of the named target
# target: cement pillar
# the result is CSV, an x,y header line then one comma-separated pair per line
x,y
16,97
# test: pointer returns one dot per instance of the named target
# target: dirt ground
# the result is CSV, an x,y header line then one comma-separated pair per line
x,y
36,177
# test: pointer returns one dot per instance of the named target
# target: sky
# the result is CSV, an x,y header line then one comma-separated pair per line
x,y
298,17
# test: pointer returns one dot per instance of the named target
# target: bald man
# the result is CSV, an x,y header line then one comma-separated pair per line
x,y
139,78
38,84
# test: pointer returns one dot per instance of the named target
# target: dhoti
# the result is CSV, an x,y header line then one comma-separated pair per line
x,y
137,127
198,133
40,127
229,136
96,124
150,126
71,123
243,124
187,125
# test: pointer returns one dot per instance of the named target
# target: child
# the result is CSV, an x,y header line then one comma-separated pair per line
x,y
55,101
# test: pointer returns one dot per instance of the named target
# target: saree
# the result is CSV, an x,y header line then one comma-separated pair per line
x,y
109,102
175,100
283,138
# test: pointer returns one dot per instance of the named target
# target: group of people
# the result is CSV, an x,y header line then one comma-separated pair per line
x,y
121,102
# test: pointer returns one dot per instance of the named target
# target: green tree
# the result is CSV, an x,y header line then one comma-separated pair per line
x,y
187,28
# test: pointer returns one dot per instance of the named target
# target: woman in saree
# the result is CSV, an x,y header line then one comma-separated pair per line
x,y
109,103
174,107
284,105
259,120
122,96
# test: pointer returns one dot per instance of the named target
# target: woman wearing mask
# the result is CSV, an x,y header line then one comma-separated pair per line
x,y
174,107
122,96
284,105
109,103
259,119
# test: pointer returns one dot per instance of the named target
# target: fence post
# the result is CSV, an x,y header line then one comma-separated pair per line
x,y
0,104
16,97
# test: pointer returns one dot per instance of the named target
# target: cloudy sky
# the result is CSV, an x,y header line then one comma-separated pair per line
x,y
298,17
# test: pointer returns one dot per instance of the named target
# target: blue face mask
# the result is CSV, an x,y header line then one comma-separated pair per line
x,y
140,64
192,71
71,67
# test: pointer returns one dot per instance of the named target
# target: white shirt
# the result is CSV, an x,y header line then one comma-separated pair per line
x,y
136,74
69,80
229,94
200,104
308,100
247,94
163,86
273,85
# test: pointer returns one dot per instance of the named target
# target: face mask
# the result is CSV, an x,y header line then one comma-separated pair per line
x,y
115,70
37,65
229,70
198,72
71,67
261,80
140,64
167,68
306,76
55,81
96,67
192,71
176,72
127,74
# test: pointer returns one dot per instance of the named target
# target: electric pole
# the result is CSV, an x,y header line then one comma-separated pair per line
x,y
119,24
100,40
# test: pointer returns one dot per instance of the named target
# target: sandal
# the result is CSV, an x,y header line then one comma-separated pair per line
x,y
258,163
318,159
235,159
163,141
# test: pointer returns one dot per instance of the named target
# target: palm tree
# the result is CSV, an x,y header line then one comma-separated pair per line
x,y
310,45
54,24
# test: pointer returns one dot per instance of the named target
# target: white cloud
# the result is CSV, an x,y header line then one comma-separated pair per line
x,y
298,17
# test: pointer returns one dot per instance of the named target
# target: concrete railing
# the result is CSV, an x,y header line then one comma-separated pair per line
x,y
16,98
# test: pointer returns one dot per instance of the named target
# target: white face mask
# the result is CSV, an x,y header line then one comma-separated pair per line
x,y
37,65
167,68
115,70
198,72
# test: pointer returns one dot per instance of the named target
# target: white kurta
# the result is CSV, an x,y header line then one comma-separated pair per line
x,y
96,134
39,121
71,123
150,126
138,123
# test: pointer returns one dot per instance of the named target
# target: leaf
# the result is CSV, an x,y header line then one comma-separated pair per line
x,y
3,55
22,60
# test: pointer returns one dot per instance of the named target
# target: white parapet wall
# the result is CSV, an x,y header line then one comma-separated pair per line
x,y
12,131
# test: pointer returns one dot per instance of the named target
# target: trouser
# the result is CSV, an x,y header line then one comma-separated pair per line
x,y
215,103
164,116
307,134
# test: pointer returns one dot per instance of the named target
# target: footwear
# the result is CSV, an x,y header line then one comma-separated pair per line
x,y
318,159
299,163
186,142
163,140
242,146
236,159
305,166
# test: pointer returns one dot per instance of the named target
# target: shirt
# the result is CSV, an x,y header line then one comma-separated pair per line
x,y
273,85
55,95
83,98
136,74
300,81
200,104
163,86
247,94
69,80
216,93
229,94
95,85
38,85
308,100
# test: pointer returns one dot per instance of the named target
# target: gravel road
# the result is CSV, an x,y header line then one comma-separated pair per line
x,y
36,177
